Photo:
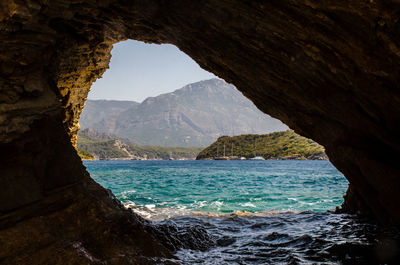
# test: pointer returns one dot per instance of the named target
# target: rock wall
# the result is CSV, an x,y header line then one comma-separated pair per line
x,y
329,69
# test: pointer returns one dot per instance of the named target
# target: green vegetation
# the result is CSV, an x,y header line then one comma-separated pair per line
x,y
84,155
286,144
165,152
104,149
106,146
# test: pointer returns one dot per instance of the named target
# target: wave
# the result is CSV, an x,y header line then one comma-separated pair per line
x,y
151,212
275,237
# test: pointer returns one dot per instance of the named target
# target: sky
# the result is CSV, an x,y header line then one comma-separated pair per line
x,y
139,70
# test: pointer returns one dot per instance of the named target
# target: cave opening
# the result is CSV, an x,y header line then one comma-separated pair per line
x,y
156,103
187,193
328,70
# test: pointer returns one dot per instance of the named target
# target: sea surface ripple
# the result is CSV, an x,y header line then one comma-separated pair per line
x,y
250,212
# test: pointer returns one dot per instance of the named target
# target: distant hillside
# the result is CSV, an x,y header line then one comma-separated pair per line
x,y
106,146
103,111
84,155
102,147
195,115
93,134
284,145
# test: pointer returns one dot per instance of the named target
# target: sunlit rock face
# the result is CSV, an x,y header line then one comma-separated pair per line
x,y
329,69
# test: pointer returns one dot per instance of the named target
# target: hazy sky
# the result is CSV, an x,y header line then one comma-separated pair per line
x,y
138,70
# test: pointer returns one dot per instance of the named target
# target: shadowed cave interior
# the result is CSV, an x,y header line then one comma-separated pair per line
x,y
329,70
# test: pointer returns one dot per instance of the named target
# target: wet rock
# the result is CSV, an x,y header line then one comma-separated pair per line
x,y
225,241
175,237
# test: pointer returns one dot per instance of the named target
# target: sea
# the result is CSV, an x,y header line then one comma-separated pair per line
x,y
250,211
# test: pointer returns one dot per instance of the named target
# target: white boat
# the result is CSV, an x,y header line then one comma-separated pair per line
x,y
257,158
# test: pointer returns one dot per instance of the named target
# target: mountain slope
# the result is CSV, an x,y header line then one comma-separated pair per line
x,y
103,110
284,145
194,115
106,146
84,155
101,145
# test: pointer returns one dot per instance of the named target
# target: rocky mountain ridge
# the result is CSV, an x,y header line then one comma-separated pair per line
x,y
195,115
97,110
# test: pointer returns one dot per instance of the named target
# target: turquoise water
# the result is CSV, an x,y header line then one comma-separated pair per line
x,y
223,186
247,212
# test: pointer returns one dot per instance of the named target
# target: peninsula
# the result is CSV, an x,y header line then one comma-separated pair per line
x,y
277,145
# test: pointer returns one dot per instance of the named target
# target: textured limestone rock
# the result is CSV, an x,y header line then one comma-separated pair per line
x,y
328,69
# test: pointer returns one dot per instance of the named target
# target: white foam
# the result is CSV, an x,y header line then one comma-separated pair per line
x,y
218,203
248,204
150,206
129,204
127,192
151,212
199,204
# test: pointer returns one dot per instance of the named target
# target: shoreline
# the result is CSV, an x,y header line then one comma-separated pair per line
x,y
205,159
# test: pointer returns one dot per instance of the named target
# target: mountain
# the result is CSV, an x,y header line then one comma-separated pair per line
x,y
195,115
95,145
277,145
102,111
101,145
99,136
